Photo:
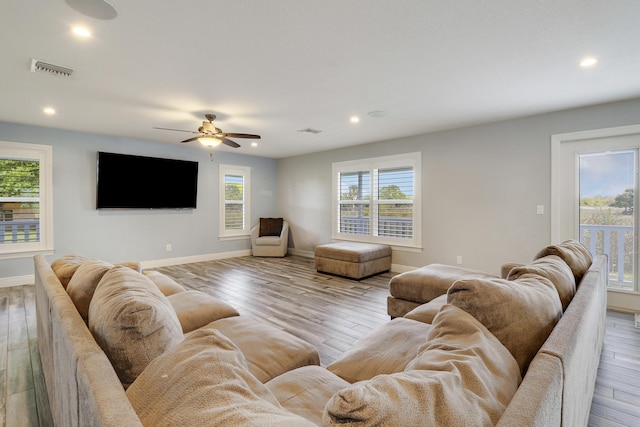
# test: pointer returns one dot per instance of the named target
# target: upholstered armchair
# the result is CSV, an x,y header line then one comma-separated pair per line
x,y
270,237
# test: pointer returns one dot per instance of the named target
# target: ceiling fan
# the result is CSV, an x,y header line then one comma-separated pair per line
x,y
211,136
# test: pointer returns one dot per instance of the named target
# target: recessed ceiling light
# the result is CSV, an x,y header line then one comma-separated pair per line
x,y
49,110
99,9
81,32
588,62
354,119
254,144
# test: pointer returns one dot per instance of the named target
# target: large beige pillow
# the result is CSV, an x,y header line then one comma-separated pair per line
x,y
204,381
574,253
132,321
166,284
386,350
553,268
520,313
65,267
84,282
463,376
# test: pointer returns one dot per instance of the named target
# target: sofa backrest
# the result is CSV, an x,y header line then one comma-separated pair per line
x,y
82,387
559,384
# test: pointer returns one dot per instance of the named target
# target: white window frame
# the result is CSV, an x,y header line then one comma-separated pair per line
x,y
245,172
44,154
412,160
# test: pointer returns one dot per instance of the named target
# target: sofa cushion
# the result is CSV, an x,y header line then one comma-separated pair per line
x,y
276,351
305,391
204,381
196,309
574,253
554,269
426,312
84,282
520,313
429,282
132,321
66,266
463,376
166,284
270,226
386,350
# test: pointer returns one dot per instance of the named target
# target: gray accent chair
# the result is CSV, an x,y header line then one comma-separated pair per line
x,y
270,246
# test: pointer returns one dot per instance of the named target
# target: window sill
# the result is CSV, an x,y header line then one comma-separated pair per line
x,y
25,254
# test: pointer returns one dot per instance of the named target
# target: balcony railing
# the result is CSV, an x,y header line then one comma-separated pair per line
x,y
21,231
616,241
387,226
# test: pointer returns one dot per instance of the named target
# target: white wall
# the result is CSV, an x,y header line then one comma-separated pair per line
x,y
139,235
480,186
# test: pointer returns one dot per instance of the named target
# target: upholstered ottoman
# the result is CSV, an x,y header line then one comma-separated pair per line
x,y
416,287
353,259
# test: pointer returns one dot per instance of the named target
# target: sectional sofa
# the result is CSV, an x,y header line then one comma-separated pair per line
x,y
121,348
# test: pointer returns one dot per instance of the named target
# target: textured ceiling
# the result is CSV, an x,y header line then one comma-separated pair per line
x,y
274,67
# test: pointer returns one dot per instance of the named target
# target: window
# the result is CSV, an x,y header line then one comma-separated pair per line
x,y
25,199
378,200
234,201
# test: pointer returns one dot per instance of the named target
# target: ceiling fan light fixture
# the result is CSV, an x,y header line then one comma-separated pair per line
x,y
209,141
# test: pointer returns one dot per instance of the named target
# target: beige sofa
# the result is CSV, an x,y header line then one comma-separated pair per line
x,y
407,372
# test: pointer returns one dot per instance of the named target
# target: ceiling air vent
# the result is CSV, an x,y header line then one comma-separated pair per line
x,y
310,131
45,67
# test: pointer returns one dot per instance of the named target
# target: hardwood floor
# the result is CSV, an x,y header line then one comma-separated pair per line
x,y
330,312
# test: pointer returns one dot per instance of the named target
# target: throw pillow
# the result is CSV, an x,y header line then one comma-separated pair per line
x,y
132,321
386,350
520,313
554,269
204,381
196,309
463,376
65,267
84,282
166,284
270,226
574,253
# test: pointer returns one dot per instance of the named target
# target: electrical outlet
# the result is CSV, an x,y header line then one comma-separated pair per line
x,y
540,209
169,247
459,260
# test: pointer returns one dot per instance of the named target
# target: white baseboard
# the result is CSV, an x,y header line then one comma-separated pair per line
x,y
195,258
6,282
300,252
398,268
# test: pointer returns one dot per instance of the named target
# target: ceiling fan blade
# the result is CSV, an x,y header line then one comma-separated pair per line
x,y
191,139
229,142
177,130
239,135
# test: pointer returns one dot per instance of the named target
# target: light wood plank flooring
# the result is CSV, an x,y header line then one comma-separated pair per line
x,y
328,311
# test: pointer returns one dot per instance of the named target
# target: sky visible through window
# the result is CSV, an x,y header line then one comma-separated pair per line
x,y
606,174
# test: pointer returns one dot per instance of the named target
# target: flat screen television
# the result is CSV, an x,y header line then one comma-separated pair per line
x,y
136,182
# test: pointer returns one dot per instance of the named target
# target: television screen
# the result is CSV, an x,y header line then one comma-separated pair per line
x,y
136,182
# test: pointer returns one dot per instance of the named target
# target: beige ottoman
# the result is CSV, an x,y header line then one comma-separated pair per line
x,y
353,259
413,288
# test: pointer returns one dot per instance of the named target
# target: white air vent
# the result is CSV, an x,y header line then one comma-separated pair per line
x,y
44,67
310,131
